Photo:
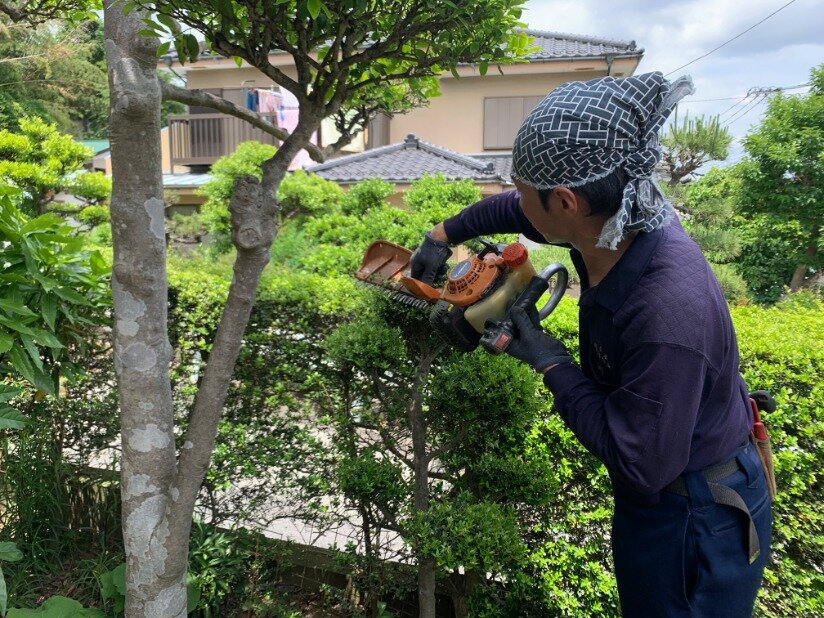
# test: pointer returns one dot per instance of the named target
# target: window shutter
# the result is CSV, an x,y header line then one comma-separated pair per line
x,y
503,117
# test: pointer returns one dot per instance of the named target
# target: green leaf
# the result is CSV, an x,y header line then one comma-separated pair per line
x,y
483,68
98,264
6,341
16,326
48,309
44,337
9,552
192,46
8,393
34,353
163,49
12,419
314,7
238,61
71,296
168,22
15,307
454,72
192,595
4,596
21,364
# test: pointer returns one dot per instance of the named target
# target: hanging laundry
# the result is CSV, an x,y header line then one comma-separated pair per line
x,y
252,99
269,101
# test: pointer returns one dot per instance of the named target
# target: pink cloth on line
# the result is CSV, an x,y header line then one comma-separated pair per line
x,y
269,101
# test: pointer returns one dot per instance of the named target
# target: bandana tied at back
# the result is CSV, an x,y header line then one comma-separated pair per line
x,y
583,131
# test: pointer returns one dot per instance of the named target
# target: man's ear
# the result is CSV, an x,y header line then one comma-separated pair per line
x,y
568,201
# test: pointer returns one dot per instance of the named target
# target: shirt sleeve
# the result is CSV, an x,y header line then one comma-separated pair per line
x,y
497,214
642,431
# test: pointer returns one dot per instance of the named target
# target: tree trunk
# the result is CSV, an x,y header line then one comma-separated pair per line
x,y
463,587
155,579
158,495
426,564
797,281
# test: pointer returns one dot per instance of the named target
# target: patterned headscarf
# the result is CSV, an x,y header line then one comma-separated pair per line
x,y
583,131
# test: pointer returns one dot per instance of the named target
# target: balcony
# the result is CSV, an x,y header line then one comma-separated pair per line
x,y
201,139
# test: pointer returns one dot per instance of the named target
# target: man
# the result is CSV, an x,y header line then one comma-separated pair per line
x,y
658,396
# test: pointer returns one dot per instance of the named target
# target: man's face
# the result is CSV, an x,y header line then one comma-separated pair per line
x,y
542,219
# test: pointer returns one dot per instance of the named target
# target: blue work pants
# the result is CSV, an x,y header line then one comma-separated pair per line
x,y
687,555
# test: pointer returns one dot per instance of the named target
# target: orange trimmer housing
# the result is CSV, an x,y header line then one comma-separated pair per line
x,y
387,265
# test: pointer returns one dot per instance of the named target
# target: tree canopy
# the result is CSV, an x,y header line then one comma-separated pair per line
x,y
690,144
42,162
784,178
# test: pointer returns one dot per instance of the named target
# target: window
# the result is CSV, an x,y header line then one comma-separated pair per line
x,y
503,117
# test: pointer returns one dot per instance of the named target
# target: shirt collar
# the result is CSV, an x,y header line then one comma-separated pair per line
x,y
616,286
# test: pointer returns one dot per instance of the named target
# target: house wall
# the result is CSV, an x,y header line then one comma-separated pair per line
x,y
454,120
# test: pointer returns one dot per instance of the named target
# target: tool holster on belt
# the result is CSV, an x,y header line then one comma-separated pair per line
x,y
763,400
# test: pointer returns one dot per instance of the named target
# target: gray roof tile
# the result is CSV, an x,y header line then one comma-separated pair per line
x,y
410,160
557,45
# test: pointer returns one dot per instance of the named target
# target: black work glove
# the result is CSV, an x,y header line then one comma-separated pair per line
x,y
429,260
532,344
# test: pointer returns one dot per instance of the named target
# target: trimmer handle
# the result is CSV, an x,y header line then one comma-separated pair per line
x,y
499,334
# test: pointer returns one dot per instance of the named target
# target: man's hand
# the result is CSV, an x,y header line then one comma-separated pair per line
x,y
532,344
429,260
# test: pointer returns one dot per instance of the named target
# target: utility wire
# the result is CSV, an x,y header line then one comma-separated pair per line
x,y
744,96
741,113
742,101
732,39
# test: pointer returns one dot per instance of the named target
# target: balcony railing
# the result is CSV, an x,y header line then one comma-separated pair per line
x,y
201,139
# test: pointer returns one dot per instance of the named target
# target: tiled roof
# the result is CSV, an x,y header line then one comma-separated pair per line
x,y
556,45
407,161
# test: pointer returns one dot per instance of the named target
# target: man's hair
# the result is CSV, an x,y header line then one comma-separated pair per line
x,y
603,195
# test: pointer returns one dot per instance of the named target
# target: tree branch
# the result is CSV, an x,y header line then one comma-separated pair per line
x,y
204,99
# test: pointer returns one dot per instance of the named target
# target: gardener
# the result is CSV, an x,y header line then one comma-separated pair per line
x,y
658,396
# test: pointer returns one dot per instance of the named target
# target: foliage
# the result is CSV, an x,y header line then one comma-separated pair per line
x,y
8,553
687,146
57,607
54,71
42,162
51,291
784,178
92,216
732,284
782,349
306,195
34,12
766,242
365,196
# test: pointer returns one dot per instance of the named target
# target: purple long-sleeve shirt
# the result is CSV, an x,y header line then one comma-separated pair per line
x,y
658,391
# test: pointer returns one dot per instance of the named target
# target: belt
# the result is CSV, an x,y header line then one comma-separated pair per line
x,y
723,495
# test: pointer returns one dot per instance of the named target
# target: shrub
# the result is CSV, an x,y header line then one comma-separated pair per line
x,y
366,195
437,198
732,284
92,216
302,194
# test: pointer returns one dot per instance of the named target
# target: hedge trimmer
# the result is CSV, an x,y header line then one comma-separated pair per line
x,y
473,305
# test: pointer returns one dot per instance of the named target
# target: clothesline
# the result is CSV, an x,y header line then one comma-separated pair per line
x,y
286,111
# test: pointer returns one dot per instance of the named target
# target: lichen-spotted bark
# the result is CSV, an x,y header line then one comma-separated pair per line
x,y
155,572
159,493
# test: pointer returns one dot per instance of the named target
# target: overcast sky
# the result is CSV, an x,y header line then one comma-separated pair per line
x,y
779,52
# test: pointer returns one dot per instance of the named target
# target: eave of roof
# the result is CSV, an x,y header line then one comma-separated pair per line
x,y
408,161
